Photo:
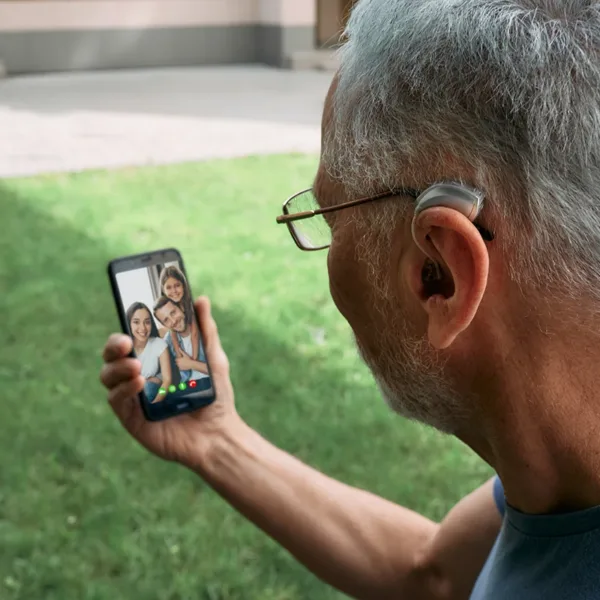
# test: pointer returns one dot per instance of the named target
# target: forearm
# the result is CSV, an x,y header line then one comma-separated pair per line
x,y
361,544
164,385
199,366
176,346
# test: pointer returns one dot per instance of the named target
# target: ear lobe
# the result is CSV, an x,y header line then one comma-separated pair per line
x,y
455,242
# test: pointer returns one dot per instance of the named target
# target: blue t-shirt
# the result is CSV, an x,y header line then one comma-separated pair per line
x,y
542,557
185,343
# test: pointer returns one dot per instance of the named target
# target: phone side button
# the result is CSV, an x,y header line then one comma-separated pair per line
x,y
183,405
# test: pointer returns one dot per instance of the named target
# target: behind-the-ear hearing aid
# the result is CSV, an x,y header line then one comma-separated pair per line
x,y
466,200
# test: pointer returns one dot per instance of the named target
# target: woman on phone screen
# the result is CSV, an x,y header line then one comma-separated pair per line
x,y
150,350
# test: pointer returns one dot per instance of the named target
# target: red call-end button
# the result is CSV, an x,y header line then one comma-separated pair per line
x,y
192,384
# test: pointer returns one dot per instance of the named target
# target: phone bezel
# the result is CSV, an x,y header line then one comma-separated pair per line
x,y
165,409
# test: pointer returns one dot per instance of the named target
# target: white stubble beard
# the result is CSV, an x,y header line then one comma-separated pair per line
x,y
413,383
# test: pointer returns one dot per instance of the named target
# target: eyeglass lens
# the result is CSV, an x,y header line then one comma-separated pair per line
x,y
314,232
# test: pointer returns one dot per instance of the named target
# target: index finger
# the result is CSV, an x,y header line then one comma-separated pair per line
x,y
117,346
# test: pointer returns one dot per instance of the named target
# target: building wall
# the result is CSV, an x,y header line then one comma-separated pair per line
x,y
285,27
65,35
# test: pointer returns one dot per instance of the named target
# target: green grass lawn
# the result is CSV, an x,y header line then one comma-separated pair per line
x,y
86,514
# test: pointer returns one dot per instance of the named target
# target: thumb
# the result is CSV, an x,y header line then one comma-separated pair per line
x,y
125,403
219,364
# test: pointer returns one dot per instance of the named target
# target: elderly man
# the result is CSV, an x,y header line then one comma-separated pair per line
x,y
460,187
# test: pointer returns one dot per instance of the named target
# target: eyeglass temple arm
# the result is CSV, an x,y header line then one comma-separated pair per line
x,y
295,217
321,211
307,214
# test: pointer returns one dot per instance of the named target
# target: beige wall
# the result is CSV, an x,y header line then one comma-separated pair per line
x,y
287,12
48,15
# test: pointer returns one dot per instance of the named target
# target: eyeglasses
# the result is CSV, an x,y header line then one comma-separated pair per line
x,y
308,226
306,221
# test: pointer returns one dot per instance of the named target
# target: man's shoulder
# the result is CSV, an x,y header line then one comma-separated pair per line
x,y
499,496
168,339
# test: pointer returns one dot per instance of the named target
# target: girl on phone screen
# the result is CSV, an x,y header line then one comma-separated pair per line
x,y
174,286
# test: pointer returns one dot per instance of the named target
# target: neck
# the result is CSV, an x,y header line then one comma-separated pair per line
x,y
540,430
139,346
185,332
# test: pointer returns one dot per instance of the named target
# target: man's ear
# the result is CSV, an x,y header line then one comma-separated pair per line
x,y
451,280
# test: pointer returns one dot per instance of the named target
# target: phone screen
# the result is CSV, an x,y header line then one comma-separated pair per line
x,y
156,306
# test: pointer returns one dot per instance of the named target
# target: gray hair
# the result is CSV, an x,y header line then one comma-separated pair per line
x,y
510,90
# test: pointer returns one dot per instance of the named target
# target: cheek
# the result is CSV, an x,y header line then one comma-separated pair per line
x,y
348,285
335,271
369,313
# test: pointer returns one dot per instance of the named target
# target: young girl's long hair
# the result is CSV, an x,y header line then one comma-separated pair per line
x,y
186,304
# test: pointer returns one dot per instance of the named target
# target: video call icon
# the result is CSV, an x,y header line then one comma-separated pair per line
x,y
173,388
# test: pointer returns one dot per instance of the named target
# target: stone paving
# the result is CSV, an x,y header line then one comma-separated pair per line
x,y
73,122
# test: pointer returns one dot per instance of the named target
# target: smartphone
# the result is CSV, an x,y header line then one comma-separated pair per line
x,y
155,306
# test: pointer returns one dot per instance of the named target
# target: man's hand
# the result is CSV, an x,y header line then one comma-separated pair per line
x,y
185,438
365,546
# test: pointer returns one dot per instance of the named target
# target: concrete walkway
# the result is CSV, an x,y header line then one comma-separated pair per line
x,y
101,120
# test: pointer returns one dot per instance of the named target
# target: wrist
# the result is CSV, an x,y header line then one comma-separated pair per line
x,y
217,443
